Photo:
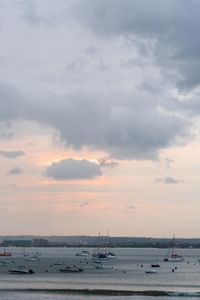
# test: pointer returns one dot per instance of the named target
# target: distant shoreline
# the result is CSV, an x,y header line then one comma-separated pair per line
x,y
97,241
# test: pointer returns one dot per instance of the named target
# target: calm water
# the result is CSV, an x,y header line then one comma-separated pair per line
x,y
126,272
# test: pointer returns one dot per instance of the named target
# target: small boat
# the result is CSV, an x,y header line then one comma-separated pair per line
x,y
100,266
110,255
99,257
20,271
83,253
70,270
174,258
155,265
5,254
101,254
58,263
151,271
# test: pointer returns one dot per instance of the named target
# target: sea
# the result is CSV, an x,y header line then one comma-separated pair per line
x,y
123,277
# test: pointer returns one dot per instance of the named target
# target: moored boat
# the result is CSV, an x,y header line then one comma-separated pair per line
x,y
172,256
70,270
110,254
155,265
83,253
151,271
6,254
21,271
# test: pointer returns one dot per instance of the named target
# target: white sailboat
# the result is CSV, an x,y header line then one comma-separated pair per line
x,y
172,256
99,255
109,254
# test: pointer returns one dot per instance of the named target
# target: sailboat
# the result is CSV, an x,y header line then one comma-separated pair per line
x,y
5,253
108,252
98,254
172,256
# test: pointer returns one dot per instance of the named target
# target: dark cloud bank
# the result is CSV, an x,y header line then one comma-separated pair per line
x,y
172,25
125,123
130,129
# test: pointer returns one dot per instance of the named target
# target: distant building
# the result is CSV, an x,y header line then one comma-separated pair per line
x,y
17,243
40,243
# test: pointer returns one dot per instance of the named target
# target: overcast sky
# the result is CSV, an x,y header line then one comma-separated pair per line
x,y
99,117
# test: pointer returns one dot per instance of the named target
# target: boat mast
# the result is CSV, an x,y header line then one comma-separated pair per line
x,y
173,244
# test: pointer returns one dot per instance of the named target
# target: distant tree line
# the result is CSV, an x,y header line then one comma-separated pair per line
x,y
103,242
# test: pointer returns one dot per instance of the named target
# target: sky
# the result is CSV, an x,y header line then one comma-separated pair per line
x,y
99,117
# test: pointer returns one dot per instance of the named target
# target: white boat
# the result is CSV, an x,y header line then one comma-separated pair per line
x,y
83,253
110,255
100,266
102,252
31,258
174,258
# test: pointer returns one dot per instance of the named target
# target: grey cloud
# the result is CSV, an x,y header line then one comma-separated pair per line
x,y
190,105
126,126
115,16
12,154
47,12
71,169
131,129
168,180
6,136
15,171
169,29
5,131
102,111
172,26
11,103
104,162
